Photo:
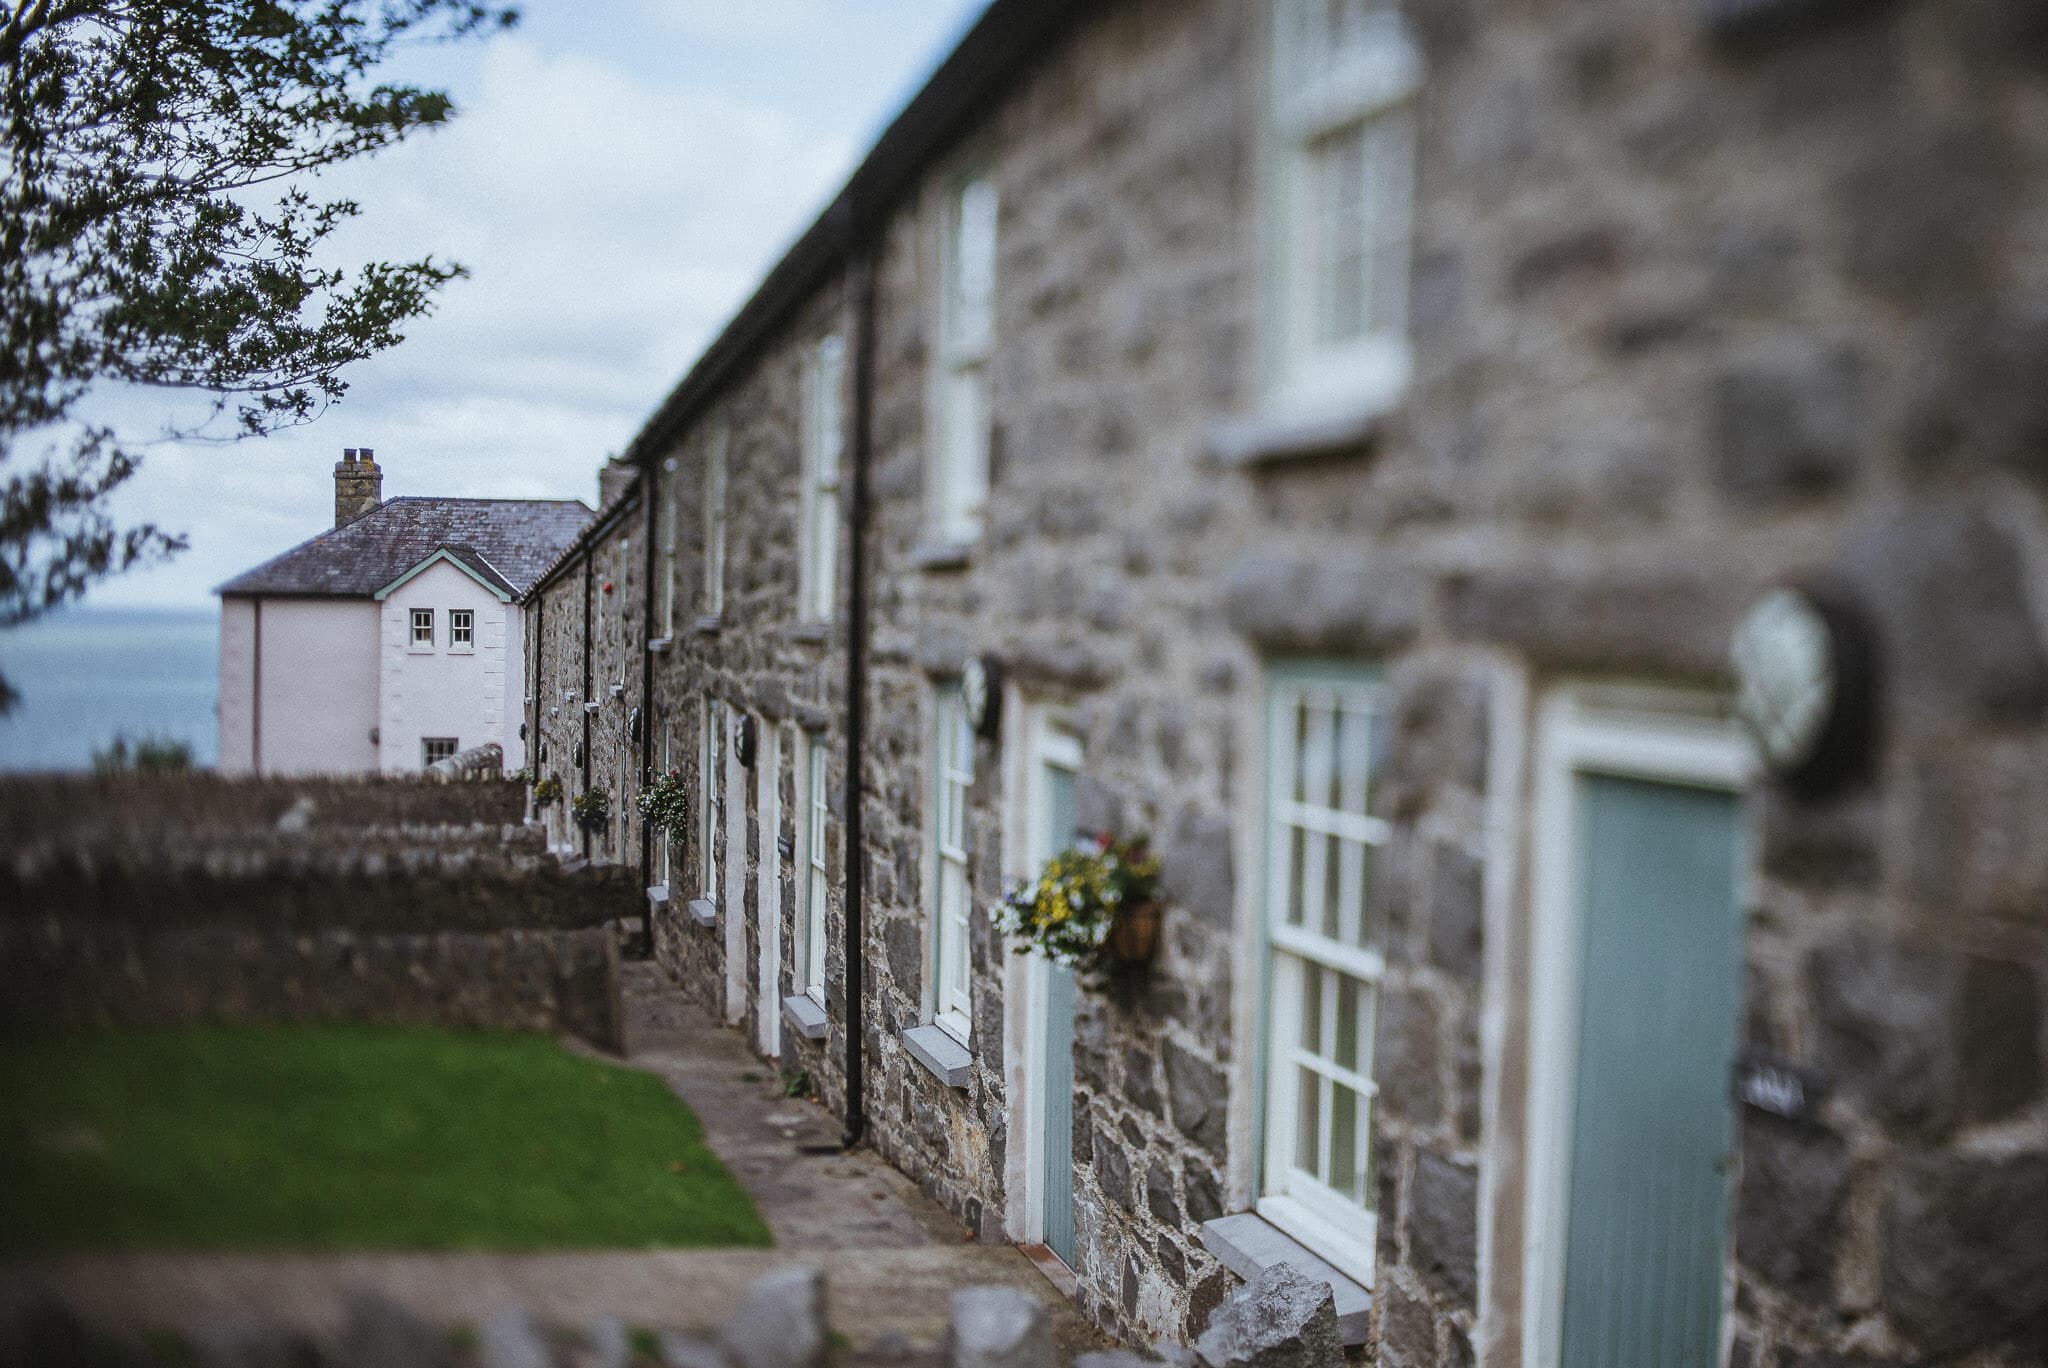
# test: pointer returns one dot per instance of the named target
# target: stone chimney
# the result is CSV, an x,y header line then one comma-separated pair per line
x,y
358,484
614,478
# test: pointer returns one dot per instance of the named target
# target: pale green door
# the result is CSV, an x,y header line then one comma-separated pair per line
x,y
1650,1136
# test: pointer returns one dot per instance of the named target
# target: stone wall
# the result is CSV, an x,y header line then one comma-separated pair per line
x,y
1696,310
63,974
760,660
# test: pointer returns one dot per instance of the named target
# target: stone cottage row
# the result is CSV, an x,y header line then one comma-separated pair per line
x,y
1340,440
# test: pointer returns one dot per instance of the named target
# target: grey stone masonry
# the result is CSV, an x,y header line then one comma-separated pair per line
x,y
1701,299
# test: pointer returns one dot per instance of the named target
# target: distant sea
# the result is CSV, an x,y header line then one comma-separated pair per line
x,y
87,674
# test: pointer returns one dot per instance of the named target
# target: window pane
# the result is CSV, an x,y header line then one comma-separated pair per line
x,y
1308,1122
1344,1131
1297,841
1347,1021
1311,1008
1339,177
974,266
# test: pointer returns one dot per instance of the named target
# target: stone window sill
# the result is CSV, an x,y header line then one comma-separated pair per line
x,y
657,897
703,911
1270,438
805,1016
1246,1244
809,633
940,555
659,645
707,624
945,1058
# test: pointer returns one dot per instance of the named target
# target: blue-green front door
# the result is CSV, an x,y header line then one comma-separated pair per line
x,y
1661,946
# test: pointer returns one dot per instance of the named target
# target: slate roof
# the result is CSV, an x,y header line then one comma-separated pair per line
x,y
517,539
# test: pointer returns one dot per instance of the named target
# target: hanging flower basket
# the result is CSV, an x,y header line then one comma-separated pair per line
x,y
592,808
547,792
664,806
1093,908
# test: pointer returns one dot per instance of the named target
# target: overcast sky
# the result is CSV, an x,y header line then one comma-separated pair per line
x,y
618,178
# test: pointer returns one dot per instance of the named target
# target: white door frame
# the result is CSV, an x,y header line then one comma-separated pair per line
x,y
1669,736
735,872
768,802
1033,734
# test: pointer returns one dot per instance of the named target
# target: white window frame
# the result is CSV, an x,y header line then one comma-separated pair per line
x,y
420,619
714,523
1371,90
667,840
671,524
816,890
710,796
462,630
962,423
429,743
1340,1229
823,444
952,892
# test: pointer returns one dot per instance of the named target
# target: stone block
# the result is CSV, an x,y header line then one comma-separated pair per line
x,y
1409,1060
1196,869
1443,1225
1282,1318
1788,419
1959,638
1916,218
998,1327
903,946
1998,1038
1640,617
780,1323
1788,1204
509,1339
1457,910
1965,1262
1333,601
377,1332
1204,1193
1882,1028
1407,1328
1159,1199
1198,1094
1112,1169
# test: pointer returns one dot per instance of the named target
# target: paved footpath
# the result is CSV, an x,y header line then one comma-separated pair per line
x,y
891,1256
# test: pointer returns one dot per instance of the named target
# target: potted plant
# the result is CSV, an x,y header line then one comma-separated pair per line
x,y
547,792
592,808
1094,907
663,805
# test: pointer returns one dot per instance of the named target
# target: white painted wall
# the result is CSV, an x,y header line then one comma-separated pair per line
x,y
319,685
468,695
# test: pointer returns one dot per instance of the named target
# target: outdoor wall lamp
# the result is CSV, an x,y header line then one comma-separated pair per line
x,y
1805,662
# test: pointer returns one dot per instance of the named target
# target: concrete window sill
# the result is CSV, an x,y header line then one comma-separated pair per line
x,y
805,1017
657,897
940,555
1246,1244
703,911
945,1058
809,633
659,645
707,625
1270,438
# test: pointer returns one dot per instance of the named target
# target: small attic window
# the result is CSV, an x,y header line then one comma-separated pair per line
x,y
423,629
461,629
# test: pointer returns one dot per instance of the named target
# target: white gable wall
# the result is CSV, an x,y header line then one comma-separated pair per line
x,y
311,664
469,695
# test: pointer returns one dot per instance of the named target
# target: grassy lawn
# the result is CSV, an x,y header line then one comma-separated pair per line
x,y
347,1137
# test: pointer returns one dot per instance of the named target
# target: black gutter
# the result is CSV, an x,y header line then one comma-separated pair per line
x,y
540,608
649,501
583,701
862,288
999,49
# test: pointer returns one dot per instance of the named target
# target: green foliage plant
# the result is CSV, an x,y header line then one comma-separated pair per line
x,y
592,808
665,806
1066,912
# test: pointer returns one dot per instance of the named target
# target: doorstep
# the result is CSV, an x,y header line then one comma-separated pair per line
x,y
1247,1244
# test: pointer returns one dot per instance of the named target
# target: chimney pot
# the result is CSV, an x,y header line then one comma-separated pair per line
x,y
358,484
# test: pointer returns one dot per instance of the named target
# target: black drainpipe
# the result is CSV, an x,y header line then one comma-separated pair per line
x,y
862,282
648,495
256,689
584,698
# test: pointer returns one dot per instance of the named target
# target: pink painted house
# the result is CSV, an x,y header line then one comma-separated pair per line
x,y
389,641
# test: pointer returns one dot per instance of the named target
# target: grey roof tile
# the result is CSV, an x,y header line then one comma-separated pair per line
x,y
517,538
